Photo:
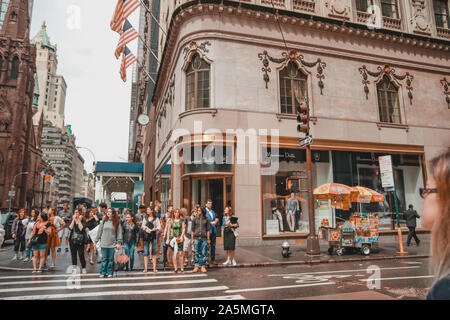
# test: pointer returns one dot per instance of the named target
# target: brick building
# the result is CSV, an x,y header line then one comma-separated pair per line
x,y
19,135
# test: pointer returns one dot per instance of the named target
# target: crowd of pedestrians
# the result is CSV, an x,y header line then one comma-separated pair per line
x,y
177,237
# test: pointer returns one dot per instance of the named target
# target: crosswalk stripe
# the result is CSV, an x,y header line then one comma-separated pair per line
x,y
280,287
109,285
83,275
115,293
398,278
338,271
98,279
231,297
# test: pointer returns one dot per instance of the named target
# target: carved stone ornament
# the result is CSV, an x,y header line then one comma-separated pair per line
x,y
293,56
420,20
338,8
390,73
194,47
445,85
169,98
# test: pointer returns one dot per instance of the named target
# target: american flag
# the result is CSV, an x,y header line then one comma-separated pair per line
x,y
124,9
127,60
128,35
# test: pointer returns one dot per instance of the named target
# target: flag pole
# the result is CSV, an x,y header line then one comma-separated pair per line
x,y
143,68
151,51
146,8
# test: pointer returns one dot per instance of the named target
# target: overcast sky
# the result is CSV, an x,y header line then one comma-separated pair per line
x,y
97,102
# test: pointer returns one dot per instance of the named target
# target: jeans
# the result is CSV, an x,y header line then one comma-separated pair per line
x,y
277,216
165,248
77,249
200,249
213,246
28,250
19,243
412,234
107,261
129,251
291,220
298,215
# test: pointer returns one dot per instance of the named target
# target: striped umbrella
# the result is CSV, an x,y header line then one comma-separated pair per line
x,y
366,195
330,190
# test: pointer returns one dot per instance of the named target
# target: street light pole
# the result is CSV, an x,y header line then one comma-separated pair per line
x,y
303,119
12,188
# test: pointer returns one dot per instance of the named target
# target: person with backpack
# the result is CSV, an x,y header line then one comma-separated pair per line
x,y
110,235
57,225
150,226
91,222
38,241
18,231
78,238
131,237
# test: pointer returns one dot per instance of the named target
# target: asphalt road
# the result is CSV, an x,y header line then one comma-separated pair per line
x,y
388,279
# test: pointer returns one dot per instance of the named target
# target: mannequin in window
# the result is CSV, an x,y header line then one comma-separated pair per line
x,y
291,208
276,214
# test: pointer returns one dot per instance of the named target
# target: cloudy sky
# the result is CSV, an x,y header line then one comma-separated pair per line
x,y
98,102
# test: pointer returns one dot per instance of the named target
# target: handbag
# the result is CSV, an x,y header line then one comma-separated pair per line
x,y
121,260
78,239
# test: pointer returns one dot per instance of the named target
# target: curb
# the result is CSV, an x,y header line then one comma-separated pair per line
x,y
277,264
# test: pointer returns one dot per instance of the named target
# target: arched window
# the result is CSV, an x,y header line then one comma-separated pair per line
x,y
15,68
292,88
388,102
197,83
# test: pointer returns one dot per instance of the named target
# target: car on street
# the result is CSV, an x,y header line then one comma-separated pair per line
x,y
7,221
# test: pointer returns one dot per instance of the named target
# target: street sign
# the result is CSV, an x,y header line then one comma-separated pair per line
x,y
306,141
12,193
387,176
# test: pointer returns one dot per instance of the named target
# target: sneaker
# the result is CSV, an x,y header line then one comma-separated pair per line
x,y
195,270
67,250
34,271
214,263
109,275
20,256
203,269
234,263
226,262
58,250
102,276
14,258
418,243
84,271
26,259
39,271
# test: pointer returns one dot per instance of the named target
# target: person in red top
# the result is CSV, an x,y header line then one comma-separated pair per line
x,y
38,240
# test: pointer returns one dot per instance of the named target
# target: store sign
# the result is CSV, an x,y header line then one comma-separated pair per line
x,y
272,227
387,176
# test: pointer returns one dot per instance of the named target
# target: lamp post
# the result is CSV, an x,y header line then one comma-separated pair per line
x,y
11,192
312,242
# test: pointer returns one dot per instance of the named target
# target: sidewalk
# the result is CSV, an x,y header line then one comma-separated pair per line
x,y
263,256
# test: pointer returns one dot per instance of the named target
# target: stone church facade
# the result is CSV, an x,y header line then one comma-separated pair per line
x,y
19,136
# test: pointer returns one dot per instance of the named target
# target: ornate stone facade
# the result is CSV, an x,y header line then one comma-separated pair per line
x,y
19,137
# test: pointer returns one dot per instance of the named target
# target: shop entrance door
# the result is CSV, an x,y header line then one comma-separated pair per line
x,y
197,190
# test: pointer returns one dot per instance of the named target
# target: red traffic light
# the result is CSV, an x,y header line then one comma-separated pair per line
x,y
303,118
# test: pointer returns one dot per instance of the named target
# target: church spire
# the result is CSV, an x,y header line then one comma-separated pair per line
x,y
17,21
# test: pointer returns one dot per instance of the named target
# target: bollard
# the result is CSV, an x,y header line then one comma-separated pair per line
x,y
400,241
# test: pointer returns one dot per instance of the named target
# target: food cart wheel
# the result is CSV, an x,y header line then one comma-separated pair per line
x,y
330,250
365,250
340,251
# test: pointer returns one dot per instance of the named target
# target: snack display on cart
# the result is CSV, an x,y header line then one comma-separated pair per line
x,y
360,231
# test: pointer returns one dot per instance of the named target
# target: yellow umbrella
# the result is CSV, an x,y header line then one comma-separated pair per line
x,y
366,195
330,190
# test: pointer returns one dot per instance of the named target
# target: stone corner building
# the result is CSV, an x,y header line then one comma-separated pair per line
x,y
372,91
19,134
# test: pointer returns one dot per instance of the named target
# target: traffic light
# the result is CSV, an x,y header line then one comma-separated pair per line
x,y
303,118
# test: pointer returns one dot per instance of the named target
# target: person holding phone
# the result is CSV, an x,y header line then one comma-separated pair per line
x,y
229,224
38,241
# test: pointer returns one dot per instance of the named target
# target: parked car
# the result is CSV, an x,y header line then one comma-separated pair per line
x,y
7,221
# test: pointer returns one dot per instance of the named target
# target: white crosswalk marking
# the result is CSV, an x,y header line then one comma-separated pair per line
x,y
66,286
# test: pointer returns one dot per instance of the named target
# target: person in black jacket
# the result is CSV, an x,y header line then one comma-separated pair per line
x,y
78,238
410,217
131,237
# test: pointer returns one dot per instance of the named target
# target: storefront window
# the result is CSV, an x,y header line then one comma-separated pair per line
x,y
208,158
285,194
359,168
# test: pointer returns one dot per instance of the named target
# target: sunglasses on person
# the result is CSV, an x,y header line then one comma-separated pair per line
x,y
425,191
